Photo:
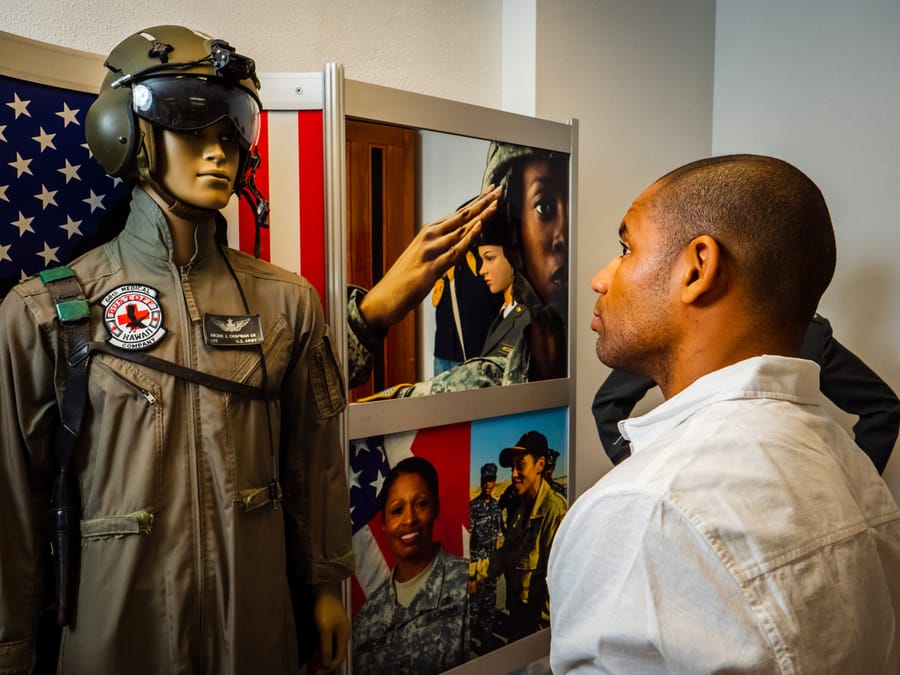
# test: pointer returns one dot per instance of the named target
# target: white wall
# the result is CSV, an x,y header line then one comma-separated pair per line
x,y
449,49
817,82
638,76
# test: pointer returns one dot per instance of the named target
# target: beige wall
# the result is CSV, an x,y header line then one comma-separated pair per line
x,y
638,76
449,49
824,95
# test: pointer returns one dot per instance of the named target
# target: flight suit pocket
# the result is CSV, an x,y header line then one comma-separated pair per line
x,y
326,379
123,451
139,522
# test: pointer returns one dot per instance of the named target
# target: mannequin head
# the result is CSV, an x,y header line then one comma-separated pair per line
x,y
170,81
198,167
495,269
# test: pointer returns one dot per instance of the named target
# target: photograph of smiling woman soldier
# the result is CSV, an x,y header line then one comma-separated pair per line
x,y
416,622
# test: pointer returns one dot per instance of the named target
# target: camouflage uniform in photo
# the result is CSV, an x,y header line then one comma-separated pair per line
x,y
486,521
429,636
476,373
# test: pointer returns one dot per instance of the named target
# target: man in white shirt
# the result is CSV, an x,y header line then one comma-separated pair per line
x,y
747,533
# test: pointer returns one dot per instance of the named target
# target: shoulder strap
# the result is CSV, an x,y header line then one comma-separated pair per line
x,y
73,313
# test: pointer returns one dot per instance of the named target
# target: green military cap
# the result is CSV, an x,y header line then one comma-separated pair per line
x,y
501,157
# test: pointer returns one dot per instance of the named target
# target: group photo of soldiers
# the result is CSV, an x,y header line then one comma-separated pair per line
x,y
452,532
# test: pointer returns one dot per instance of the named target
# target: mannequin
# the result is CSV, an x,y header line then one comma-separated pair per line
x,y
208,474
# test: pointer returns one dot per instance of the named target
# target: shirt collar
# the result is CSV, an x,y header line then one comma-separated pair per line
x,y
773,377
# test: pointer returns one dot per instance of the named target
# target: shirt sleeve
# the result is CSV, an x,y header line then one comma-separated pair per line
x,y
28,415
613,402
314,474
635,588
362,341
855,388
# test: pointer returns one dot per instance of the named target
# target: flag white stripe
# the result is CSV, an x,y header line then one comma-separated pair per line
x,y
231,215
371,568
284,162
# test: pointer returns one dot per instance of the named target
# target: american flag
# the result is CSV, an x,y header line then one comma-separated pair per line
x,y
291,148
53,194
447,448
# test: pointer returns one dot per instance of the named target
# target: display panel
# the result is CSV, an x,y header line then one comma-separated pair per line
x,y
461,569
376,136
496,312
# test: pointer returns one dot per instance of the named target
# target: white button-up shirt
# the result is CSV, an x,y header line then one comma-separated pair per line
x,y
747,534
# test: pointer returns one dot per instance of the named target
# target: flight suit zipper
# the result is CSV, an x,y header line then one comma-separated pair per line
x,y
188,309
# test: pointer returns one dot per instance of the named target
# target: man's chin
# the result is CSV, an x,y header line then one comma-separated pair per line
x,y
609,356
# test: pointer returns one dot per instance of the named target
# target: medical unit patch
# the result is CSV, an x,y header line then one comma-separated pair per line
x,y
133,317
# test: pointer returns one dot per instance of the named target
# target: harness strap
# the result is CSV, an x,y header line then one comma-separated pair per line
x,y
74,314
183,373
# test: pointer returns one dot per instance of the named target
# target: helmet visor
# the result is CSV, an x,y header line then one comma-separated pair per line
x,y
186,103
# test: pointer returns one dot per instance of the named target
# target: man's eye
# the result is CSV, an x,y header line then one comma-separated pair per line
x,y
229,138
625,248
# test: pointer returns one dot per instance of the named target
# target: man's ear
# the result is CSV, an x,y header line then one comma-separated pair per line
x,y
701,275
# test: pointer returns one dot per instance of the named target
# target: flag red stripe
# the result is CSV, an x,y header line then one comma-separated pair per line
x,y
312,199
448,449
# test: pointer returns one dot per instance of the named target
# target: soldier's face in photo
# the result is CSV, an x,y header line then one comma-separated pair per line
x,y
545,226
409,515
488,487
526,474
199,167
495,268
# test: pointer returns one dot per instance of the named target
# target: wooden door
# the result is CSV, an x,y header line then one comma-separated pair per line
x,y
381,189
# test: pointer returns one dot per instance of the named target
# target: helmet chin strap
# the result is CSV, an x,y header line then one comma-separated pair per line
x,y
255,199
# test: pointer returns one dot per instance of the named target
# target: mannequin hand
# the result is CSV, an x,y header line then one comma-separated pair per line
x,y
433,251
333,624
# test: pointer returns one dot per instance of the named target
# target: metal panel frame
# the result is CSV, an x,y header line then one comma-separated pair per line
x,y
391,106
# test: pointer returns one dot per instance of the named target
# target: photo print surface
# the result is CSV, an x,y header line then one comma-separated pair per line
x,y
425,319
452,529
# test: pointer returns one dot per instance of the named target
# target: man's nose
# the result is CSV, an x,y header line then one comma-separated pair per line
x,y
601,281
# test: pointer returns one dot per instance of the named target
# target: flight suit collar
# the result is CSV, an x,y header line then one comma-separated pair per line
x,y
148,231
